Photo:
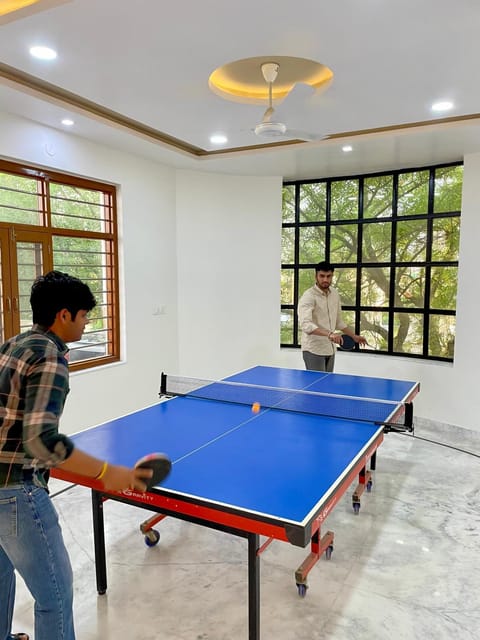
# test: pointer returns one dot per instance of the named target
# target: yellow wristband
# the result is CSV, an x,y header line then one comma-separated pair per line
x,y
103,471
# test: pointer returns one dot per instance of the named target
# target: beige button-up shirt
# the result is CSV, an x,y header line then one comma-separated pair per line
x,y
317,309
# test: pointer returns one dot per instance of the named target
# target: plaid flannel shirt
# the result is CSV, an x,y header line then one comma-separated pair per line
x,y
33,387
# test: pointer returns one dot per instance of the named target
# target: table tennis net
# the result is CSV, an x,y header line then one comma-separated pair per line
x,y
300,401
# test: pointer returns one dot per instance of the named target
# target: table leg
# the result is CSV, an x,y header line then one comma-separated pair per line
x,y
99,542
318,546
364,482
253,587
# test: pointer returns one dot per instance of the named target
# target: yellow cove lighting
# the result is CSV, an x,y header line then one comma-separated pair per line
x,y
8,6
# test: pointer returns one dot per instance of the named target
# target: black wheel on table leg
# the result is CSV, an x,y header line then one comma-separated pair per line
x,y
328,552
302,589
369,486
152,537
356,508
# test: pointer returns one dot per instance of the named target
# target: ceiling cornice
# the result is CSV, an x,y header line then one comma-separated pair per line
x,y
43,90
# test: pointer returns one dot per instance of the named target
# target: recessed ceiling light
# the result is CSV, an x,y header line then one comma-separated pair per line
x,y
346,148
68,122
43,53
218,138
443,105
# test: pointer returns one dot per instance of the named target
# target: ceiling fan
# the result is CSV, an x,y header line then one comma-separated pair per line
x,y
269,128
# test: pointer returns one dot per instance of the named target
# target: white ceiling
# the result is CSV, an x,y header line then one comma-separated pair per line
x,y
149,62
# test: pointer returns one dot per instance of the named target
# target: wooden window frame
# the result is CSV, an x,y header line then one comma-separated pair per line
x,y
44,234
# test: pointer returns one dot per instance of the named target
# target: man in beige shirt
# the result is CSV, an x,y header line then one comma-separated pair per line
x,y
319,316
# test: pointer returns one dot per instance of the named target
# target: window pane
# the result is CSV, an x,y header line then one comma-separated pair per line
x,y
91,261
344,243
288,203
77,208
30,266
288,245
345,280
20,199
443,288
306,279
446,239
377,197
286,286
286,326
412,193
349,317
441,339
3,335
374,327
410,287
313,202
344,200
408,333
375,286
411,241
377,242
448,189
312,244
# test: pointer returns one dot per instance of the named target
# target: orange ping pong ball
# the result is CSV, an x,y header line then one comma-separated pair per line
x,y
256,407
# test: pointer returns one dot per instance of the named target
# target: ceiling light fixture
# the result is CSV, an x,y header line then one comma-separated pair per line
x,y
347,148
218,138
68,122
443,105
43,53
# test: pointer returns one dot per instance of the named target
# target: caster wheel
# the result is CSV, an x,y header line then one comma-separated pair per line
x,y
328,552
369,486
302,590
151,538
356,508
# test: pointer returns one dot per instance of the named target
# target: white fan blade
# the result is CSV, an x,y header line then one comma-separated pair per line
x,y
298,134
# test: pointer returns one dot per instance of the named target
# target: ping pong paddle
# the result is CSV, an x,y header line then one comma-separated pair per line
x,y
347,344
161,465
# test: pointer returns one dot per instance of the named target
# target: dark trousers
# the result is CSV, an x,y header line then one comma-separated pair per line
x,y
318,363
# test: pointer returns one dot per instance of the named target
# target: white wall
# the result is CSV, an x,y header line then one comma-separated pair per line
x,y
148,267
214,240
229,241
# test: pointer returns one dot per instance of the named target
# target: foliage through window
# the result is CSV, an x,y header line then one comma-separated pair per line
x,y
394,240
55,221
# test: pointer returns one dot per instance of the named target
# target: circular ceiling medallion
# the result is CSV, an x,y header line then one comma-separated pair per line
x,y
243,80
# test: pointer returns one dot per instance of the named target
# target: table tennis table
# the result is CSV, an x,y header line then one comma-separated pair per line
x,y
277,473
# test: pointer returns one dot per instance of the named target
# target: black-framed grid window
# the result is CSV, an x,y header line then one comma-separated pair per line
x,y
56,221
394,240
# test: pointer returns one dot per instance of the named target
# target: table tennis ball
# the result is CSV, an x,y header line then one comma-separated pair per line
x,y
256,407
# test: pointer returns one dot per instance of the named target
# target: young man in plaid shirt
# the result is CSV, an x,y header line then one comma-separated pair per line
x,y
33,388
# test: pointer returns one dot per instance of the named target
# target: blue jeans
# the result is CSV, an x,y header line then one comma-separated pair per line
x,y
31,542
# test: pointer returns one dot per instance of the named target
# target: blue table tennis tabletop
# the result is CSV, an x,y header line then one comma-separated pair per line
x,y
275,465
276,473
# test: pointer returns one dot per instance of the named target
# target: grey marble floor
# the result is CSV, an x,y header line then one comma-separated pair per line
x,y
407,567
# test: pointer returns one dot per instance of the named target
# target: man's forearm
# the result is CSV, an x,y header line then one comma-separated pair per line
x,y
82,463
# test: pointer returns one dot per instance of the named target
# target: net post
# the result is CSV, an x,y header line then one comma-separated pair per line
x,y
407,421
409,416
163,384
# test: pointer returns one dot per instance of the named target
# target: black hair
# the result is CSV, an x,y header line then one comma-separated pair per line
x,y
55,291
324,266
